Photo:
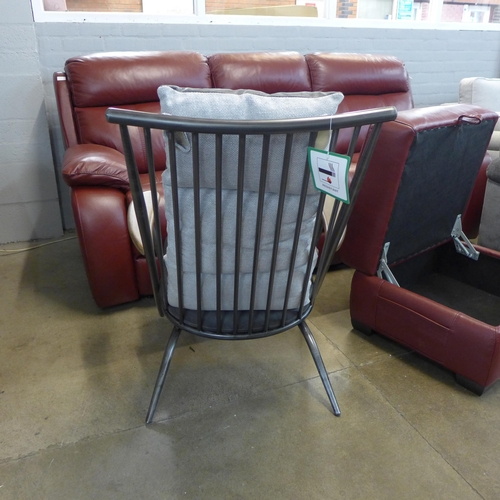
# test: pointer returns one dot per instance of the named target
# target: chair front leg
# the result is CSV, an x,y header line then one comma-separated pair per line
x,y
165,364
318,360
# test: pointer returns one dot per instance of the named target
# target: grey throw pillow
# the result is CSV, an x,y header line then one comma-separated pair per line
x,y
242,105
225,104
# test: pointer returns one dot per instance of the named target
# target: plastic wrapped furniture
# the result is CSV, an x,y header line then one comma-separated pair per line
x,y
244,220
418,280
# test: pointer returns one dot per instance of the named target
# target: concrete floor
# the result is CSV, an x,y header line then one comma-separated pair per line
x,y
237,420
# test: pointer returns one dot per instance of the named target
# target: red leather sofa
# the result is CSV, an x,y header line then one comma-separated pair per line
x,y
94,166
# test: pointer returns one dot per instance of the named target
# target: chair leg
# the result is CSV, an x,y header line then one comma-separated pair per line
x,y
318,360
167,357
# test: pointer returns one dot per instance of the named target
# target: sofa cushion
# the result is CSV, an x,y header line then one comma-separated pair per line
x,y
225,104
133,225
93,128
480,91
242,105
362,74
130,80
483,92
119,78
265,71
367,81
247,105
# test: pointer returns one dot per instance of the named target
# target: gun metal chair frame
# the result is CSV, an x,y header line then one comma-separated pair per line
x,y
250,322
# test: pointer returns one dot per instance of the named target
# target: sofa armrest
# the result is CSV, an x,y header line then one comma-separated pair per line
x,y
472,215
495,139
493,171
94,165
101,223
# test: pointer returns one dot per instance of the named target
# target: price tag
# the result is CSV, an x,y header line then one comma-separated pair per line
x,y
330,173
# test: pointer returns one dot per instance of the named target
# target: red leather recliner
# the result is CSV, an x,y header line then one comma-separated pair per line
x,y
93,165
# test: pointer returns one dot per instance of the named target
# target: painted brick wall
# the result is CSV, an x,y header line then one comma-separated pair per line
x,y
347,9
29,206
495,14
30,53
436,59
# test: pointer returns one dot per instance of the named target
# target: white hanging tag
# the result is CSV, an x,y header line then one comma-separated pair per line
x,y
330,173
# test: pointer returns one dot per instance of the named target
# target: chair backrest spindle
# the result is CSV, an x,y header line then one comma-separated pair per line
x,y
238,232
218,226
197,224
176,223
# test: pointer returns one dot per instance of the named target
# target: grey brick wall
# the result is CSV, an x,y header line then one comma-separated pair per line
x,y
29,205
30,53
436,59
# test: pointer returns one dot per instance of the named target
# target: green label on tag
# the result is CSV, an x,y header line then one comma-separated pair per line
x,y
330,173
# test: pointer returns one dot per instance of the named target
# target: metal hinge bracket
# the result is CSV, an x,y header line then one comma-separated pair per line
x,y
462,243
383,270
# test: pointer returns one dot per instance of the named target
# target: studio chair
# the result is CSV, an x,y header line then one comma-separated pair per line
x,y
243,221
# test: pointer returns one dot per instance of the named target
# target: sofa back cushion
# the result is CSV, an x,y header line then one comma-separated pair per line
x,y
120,78
268,72
227,104
367,81
364,79
129,80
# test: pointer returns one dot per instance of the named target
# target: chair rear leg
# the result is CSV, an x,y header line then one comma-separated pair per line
x,y
165,364
318,360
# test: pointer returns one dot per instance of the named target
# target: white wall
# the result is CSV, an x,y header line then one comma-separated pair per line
x,y
29,206
436,61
